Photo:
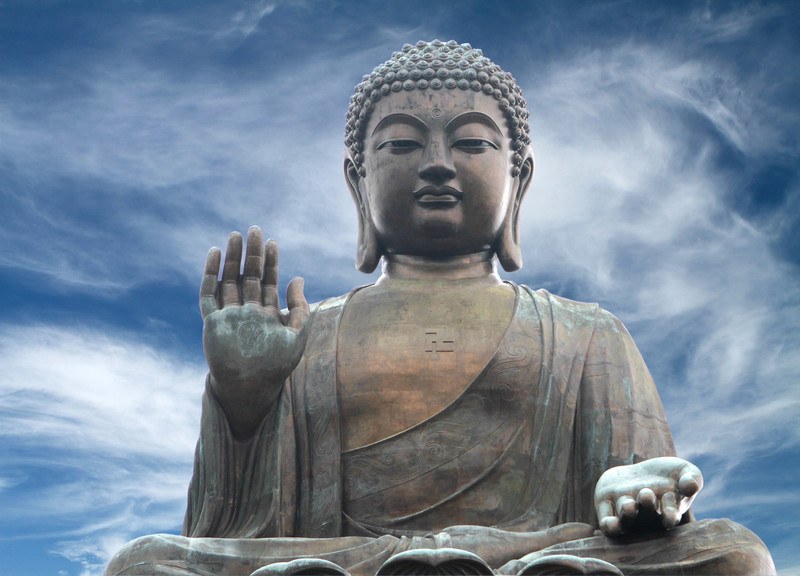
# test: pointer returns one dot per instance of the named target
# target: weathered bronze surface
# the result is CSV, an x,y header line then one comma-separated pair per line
x,y
440,420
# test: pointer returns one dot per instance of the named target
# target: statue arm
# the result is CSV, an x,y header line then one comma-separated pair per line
x,y
641,484
245,452
243,489
250,346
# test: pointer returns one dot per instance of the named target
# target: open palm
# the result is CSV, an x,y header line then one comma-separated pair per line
x,y
250,346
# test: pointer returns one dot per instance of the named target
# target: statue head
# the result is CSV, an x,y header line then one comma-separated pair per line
x,y
438,156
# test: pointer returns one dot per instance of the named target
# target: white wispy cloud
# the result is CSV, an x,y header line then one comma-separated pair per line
x,y
712,23
199,157
56,378
246,20
113,419
171,165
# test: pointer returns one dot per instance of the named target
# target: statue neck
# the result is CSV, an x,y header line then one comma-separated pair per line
x,y
469,270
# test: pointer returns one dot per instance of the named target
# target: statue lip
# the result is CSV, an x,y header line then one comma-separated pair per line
x,y
442,196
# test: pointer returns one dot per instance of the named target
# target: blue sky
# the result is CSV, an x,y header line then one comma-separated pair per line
x,y
134,135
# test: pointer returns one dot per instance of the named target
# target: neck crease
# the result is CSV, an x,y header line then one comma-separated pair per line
x,y
471,267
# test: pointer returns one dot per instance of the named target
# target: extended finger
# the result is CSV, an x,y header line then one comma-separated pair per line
x,y
296,301
230,272
609,523
269,278
670,516
626,508
690,484
208,287
253,266
647,499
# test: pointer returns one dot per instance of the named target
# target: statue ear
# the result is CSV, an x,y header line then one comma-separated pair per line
x,y
368,252
508,248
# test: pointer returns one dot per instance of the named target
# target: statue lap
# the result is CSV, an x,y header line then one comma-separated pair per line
x,y
703,547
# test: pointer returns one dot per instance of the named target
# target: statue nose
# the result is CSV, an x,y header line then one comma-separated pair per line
x,y
437,164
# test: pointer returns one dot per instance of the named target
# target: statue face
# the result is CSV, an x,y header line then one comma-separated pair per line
x,y
438,172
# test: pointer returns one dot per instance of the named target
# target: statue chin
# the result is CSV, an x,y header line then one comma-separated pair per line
x,y
438,224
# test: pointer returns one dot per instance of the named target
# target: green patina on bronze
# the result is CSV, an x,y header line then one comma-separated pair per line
x,y
440,420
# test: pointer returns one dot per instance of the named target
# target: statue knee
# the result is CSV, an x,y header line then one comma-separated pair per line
x,y
728,548
142,555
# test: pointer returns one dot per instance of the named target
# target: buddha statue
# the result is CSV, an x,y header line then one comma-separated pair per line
x,y
440,420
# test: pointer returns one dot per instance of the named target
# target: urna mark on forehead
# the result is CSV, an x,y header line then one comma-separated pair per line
x,y
437,65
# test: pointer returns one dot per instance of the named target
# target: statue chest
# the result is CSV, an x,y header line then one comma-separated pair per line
x,y
404,357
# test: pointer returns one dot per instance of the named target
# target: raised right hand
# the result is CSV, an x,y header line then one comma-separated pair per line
x,y
251,348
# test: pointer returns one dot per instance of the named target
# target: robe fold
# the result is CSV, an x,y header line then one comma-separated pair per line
x,y
565,397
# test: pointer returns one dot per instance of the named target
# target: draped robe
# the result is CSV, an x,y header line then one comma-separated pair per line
x,y
565,397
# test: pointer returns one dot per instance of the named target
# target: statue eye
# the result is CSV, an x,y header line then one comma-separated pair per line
x,y
400,146
474,145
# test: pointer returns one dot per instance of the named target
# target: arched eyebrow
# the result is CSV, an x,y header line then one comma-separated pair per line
x,y
473,116
399,118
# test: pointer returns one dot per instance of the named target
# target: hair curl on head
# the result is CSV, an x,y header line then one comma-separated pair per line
x,y
433,66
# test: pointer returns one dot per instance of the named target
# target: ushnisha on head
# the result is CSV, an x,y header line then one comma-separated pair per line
x,y
438,157
437,65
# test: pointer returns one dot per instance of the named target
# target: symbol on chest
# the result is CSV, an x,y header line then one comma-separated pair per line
x,y
438,340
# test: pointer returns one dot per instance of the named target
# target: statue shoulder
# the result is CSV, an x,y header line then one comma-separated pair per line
x,y
564,309
330,305
576,314
333,305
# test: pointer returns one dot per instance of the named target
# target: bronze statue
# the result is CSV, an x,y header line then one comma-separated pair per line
x,y
440,420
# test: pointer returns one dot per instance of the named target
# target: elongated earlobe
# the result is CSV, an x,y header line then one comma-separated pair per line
x,y
508,250
368,251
